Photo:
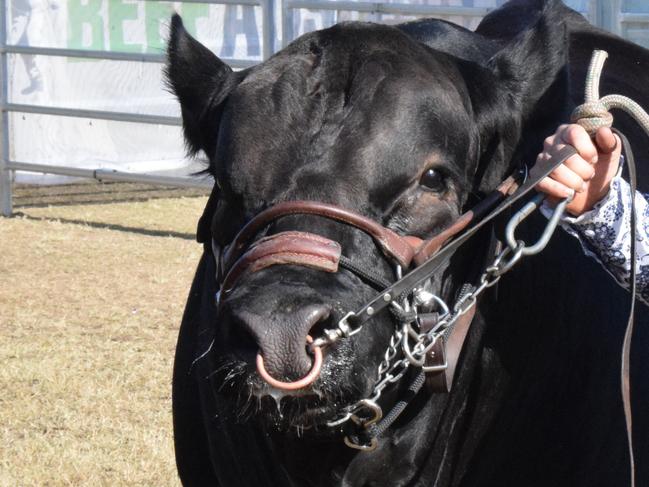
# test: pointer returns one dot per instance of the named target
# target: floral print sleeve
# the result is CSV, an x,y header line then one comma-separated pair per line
x,y
604,235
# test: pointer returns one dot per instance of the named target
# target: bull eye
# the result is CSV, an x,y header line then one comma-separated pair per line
x,y
433,180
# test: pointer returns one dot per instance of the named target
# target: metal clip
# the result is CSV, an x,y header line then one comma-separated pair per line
x,y
374,409
356,446
376,415
346,328
526,211
408,332
332,335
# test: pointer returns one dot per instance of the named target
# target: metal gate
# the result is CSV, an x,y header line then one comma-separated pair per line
x,y
280,23
8,166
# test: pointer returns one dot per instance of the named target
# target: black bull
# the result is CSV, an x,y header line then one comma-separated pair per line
x,y
407,125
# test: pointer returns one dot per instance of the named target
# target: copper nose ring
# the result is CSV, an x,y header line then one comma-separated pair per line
x,y
298,384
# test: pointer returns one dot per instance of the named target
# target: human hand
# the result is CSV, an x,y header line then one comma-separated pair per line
x,y
588,173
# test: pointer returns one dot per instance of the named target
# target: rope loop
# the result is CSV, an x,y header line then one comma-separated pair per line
x,y
594,113
592,116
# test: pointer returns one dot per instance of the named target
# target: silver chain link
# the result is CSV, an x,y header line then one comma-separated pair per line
x,y
391,370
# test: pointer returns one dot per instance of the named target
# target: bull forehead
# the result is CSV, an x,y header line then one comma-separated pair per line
x,y
340,114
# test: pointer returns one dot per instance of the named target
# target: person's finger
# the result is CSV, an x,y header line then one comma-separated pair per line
x,y
554,143
576,136
553,200
554,188
542,157
606,140
561,129
568,178
579,166
548,143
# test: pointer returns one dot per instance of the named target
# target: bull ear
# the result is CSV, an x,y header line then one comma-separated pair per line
x,y
528,98
202,82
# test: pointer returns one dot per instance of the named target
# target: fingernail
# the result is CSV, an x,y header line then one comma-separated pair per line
x,y
570,193
594,160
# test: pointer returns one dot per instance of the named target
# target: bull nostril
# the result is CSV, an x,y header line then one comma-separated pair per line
x,y
279,334
283,344
305,381
321,320
243,339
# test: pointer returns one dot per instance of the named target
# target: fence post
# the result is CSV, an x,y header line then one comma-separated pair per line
x,y
287,22
6,174
608,15
268,27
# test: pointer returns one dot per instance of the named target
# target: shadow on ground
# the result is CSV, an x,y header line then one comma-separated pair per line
x,y
125,207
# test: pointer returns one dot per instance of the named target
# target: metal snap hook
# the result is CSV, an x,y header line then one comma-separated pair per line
x,y
526,211
356,446
405,346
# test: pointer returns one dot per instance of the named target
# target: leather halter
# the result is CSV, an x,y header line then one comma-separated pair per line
x,y
245,255
391,244
308,249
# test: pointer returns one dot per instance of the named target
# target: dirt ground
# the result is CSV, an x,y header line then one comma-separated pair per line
x,y
93,281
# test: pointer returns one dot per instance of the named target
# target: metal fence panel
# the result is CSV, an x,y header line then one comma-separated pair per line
x,y
112,36
633,21
301,16
6,174
86,82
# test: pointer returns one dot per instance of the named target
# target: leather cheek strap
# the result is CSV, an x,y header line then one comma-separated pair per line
x,y
310,250
285,248
430,247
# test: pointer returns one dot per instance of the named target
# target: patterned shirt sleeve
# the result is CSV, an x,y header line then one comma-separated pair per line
x,y
604,235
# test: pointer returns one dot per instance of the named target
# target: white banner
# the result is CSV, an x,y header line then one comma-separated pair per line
x,y
135,26
232,31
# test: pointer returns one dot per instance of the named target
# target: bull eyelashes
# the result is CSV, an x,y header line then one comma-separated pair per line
x,y
433,180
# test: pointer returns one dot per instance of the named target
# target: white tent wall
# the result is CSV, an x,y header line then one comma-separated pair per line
x,y
46,64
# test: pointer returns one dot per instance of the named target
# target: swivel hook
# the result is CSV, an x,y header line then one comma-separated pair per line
x,y
522,214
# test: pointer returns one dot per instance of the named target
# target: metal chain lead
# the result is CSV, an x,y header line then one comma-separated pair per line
x,y
391,370
387,373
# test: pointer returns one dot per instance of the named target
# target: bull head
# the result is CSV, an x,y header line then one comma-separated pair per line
x,y
403,129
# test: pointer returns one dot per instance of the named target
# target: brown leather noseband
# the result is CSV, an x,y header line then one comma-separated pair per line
x,y
311,250
245,255
297,248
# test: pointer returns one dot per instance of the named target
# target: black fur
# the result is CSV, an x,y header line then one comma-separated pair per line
x,y
353,115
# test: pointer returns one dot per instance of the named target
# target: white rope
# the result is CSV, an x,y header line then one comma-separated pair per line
x,y
595,112
593,115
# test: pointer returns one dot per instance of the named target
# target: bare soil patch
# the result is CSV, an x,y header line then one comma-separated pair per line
x,y
93,281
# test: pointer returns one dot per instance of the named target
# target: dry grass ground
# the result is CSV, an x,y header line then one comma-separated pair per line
x,y
92,290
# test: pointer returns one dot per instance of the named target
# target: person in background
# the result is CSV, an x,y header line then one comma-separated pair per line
x,y
600,209
24,22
